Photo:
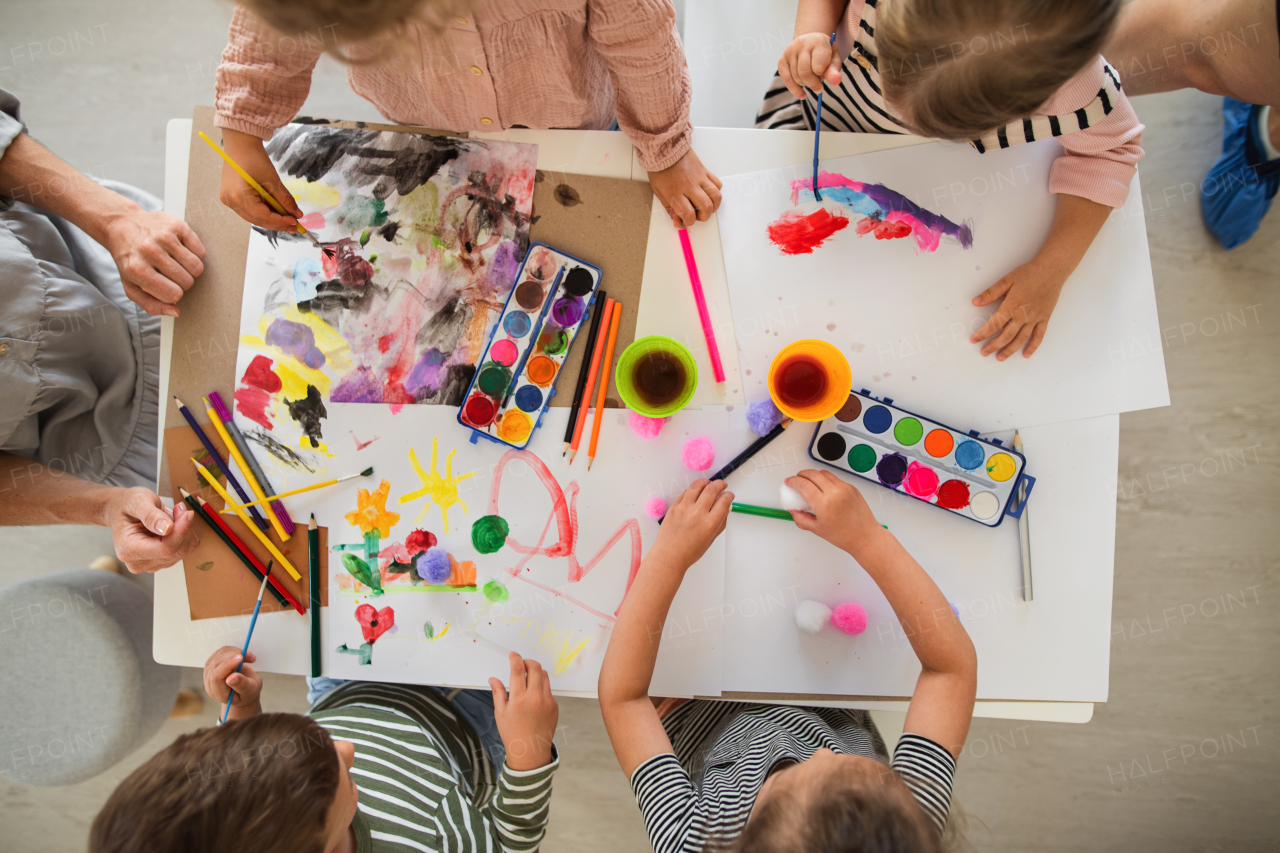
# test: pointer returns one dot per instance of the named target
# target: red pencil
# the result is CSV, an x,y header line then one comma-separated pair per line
x,y
239,545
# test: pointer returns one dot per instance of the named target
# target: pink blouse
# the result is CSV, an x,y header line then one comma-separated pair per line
x,y
508,63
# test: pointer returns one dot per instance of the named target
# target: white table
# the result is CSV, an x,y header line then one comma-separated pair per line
x,y
180,641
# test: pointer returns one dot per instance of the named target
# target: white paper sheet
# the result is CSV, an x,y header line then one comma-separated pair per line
x,y
1056,647
903,317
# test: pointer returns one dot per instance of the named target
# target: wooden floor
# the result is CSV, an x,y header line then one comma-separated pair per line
x,y
1182,758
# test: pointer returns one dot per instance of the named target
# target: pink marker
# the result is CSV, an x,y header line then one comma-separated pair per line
x,y
716,367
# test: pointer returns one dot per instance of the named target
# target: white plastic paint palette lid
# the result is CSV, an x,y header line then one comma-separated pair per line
x,y
918,457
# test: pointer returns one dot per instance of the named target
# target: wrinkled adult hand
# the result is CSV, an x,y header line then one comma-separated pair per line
x,y
809,60
687,190
840,512
147,537
158,255
692,523
526,714
1029,295
220,678
248,150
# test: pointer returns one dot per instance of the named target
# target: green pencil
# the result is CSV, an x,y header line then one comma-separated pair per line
x,y
313,593
767,512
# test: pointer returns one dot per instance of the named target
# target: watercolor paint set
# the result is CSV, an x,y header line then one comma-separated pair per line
x,y
975,478
517,372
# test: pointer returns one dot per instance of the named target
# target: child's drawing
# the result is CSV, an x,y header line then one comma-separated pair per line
x,y
373,624
442,490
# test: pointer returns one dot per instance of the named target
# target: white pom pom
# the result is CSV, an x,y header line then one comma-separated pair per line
x,y
812,615
791,499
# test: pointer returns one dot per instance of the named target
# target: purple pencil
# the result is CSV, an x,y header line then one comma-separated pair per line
x,y
255,469
222,466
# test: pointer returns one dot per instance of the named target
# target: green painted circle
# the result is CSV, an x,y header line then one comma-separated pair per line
x,y
494,379
908,431
862,458
489,533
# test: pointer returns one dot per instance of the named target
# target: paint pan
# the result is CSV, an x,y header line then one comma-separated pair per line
x,y
528,345
656,376
969,476
807,380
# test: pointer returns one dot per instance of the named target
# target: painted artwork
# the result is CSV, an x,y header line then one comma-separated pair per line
x,y
421,239
886,213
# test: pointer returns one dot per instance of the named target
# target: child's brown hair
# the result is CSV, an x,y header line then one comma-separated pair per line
x,y
380,27
957,69
263,783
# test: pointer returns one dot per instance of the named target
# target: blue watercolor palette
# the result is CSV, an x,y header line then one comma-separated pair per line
x,y
516,375
972,477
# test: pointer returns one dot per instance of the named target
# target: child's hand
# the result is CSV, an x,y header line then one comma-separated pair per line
x,y
688,192
840,512
807,61
248,150
692,523
526,716
1030,293
220,678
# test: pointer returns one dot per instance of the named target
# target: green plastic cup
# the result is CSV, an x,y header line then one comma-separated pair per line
x,y
641,349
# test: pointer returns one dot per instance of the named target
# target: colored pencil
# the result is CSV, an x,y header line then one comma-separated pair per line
x,y
253,620
367,472
241,550
254,467
591,384
763,511
817,135
606,370
587,349
235,454
262,537
1024,527
266,196
755,447
700,298
313,592
222,466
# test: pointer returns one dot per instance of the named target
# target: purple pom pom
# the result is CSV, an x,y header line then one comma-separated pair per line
x,y
763,416
435,566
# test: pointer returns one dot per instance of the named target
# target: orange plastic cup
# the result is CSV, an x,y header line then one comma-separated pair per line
x,y
839,378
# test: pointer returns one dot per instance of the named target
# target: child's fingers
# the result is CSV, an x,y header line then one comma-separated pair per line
x,y
683,210
691,494
1024,334
809,483
992,293
710,491
819,61
1007,334
519,673
789,79
702,204
994,324
499,696
832,75
712,192
537,676
1037,335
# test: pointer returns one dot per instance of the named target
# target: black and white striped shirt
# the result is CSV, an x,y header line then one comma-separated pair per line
x,y
725,750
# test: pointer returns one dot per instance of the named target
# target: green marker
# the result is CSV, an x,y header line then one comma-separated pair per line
x,y
766,512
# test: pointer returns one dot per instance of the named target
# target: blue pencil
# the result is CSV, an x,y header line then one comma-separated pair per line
x,y
817,135
252,621
222,466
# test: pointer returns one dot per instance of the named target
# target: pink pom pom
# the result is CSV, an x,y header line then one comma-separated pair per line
x,y
656,507
646,427
699,453
850,618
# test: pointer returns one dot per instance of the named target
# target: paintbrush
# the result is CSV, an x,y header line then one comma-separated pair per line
x,y
817,136
217,458
262,537
367,472
755,447
588,349
253,620
254,467
266,196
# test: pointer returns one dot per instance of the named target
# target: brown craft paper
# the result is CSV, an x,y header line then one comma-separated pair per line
x,y
218,584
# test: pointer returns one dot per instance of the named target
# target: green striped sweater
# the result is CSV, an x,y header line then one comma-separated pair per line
x,y
424,781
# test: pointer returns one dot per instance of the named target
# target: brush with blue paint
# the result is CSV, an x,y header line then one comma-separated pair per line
x,y
817,135
253,620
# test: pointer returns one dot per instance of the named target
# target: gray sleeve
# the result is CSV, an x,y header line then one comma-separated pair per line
x,y
10,122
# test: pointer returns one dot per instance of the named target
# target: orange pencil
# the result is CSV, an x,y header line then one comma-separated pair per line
x,y
605,371
591,380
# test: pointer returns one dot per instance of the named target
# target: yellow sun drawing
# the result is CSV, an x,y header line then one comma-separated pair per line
x,y
442,490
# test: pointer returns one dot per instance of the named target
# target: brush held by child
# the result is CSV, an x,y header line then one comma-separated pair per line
x,y
994,73
711,775
482,66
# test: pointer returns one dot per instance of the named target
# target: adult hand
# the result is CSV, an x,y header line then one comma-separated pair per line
x,y
527,715
807,62
693,522
158,255
147,537
840,512
248,150
1030,294
688,192
220,678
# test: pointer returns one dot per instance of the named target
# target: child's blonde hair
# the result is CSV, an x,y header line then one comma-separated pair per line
x,y
342,23
957,69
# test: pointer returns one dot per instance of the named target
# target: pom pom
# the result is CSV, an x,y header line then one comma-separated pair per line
x,y
791,499
850,618
812,615
955,610
763,416
656,507
646,427
435,566
699,453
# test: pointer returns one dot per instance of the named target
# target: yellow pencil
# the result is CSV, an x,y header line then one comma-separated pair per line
x,y
244,516
245,471
266,196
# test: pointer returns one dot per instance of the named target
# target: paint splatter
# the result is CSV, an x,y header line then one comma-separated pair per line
x,y
496,592
297,340
308,412
254,394
797,233
283,453
489,533
567,196
441,490
428,630
204,567
361,445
